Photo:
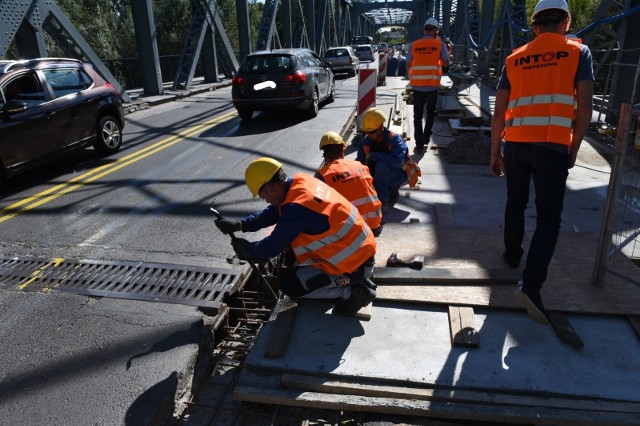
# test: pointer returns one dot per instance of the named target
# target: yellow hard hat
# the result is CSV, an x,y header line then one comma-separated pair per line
x,y
373,118
259,172
331,138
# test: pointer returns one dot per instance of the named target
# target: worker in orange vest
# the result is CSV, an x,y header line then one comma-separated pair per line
x,y
542,129
425,59
351,179
332,245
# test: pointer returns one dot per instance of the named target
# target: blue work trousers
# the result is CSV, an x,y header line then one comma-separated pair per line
x,y
387,180
422,101
549,170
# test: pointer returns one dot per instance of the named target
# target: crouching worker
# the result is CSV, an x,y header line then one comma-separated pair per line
x,y
332,245
351,179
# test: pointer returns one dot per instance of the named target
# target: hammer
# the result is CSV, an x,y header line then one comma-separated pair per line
x,y
416,262
263,280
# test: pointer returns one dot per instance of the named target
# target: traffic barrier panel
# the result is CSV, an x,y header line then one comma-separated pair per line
x,y
366,92
382,69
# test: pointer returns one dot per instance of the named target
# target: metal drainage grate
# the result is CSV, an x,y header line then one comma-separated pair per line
x,y
198,286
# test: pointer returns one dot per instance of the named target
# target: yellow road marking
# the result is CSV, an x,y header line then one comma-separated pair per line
x,y
64,188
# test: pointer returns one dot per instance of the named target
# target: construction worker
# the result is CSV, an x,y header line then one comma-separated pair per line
x,y
425,59
542,132
387,156
351,179
332,245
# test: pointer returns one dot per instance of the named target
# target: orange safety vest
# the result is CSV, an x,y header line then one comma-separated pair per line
x,y
426,65
353,180
410,167
541,102
348,242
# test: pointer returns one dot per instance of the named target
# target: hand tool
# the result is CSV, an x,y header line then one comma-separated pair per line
x,y
262,279
416,262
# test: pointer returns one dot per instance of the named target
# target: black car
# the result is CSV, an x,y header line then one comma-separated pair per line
x,y
283,79
50,106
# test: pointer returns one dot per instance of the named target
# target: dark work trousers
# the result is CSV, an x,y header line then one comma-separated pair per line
x,y
422,101
549,171
313,283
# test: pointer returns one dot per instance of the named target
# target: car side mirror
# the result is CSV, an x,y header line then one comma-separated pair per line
x,y
14,107
328,64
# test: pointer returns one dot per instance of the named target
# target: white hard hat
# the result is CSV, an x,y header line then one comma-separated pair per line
x,y
432,22
550,4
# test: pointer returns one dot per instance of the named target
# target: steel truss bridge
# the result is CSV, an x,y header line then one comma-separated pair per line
x,y
484,33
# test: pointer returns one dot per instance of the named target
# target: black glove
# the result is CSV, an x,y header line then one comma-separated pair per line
x,y
241,247
228,226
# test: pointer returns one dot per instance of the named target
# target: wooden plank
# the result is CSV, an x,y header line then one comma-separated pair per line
x,y
463,327
439,409
635,324
564,330
453,276
369,388
278,338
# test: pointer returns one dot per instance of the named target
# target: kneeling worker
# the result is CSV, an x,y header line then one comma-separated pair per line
x,y
333,246
351,179
387,156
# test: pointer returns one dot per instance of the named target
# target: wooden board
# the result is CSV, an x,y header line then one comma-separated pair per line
x,y
453,276
462,326
457,128
564,330
371,388
285,314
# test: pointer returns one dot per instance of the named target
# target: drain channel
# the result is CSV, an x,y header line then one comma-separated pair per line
x,y
187,285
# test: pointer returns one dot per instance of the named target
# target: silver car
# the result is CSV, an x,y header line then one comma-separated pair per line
x,y
342,59
365,52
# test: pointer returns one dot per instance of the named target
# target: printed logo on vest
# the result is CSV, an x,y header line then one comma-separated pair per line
x,y
540,60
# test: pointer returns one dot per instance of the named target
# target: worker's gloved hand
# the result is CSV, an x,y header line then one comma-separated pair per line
x,y
228,226
241,247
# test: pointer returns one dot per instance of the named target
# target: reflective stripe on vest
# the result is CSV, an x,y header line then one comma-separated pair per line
x,y
364,200
540,121
541,99
425,67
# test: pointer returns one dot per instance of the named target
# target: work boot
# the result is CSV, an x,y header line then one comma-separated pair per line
x,y
533,303
418,149
386,208
394,196
513,262
361,296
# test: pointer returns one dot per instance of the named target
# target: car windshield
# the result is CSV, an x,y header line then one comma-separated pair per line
x,y
363,48
335,53
267,63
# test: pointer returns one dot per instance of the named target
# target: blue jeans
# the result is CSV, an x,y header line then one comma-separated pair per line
x,y
387,180
549,171
420,100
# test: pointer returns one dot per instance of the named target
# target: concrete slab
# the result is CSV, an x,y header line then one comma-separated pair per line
x,y
410,344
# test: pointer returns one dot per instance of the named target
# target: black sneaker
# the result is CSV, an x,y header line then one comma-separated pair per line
x,y
533,303
361,296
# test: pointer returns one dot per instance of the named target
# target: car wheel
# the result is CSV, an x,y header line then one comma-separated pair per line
x,y
109,137
352,73
332,93
315,104
245,114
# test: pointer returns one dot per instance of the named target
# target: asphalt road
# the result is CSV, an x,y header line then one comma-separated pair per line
x,y
149,202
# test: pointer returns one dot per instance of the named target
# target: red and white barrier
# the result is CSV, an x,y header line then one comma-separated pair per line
x,y
382,68
367,80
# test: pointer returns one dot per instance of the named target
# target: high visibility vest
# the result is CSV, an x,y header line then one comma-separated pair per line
x,y
348,242
426,65
541,102
409,166
353,180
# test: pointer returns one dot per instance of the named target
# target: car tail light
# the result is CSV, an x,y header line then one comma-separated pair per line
x,y
238,81
298,77
350,61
